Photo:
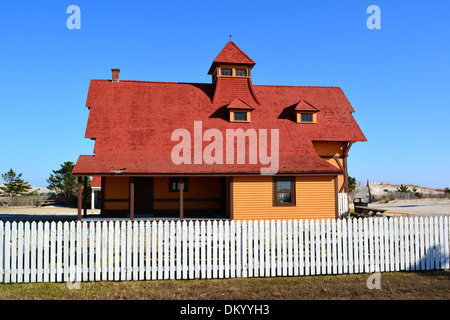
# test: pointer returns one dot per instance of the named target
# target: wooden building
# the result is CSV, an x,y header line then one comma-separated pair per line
x,y
202,150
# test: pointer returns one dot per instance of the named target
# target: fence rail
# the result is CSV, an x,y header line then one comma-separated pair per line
x,y
144,250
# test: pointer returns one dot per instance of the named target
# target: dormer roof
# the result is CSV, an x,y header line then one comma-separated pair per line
x,y
303,105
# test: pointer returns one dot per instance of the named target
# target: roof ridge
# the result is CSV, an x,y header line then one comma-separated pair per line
x,y
151,81
281,85
178,82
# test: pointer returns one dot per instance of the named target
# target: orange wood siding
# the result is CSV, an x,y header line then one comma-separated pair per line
x,y
332,149
198,188
117,188
253,199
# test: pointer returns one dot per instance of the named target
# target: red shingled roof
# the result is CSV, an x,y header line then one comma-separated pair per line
x,y
132,123
231,54
96,182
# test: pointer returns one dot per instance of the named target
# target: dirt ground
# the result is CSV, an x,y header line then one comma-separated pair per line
x,y
42,213
423,285
425,207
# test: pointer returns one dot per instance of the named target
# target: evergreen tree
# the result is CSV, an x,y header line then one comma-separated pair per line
x,y
14,185
62,182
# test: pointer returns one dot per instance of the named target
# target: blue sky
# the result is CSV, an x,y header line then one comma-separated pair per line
x,y
396,78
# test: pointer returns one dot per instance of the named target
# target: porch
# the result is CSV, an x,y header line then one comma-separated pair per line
x,y
160,197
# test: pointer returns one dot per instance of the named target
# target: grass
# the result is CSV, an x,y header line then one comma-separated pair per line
x,y
424,285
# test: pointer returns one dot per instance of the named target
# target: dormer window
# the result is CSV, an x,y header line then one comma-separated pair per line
x,y
306,117
240,116
305,112
226,72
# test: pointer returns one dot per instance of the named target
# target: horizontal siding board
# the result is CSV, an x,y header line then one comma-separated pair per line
x,y
253,198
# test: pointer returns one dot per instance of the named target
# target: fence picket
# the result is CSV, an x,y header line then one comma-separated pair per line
x,y
197,249
213,250
203,249
220,251
160,250
232,249
20,252
208,250
312,242
105,245
435,243
111,242
441,243
272,248
117,238
226,248
2,234
350,246
244,254
123,251
14,251
255,249
323,247
422,244
26,251
184,249
339,245
406,243
172,268
446,244
344,246
238,227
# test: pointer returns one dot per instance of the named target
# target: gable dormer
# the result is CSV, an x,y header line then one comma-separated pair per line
x,y
305,112
239,111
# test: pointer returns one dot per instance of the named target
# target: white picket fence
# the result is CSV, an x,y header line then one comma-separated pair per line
x,y
144,250
343,206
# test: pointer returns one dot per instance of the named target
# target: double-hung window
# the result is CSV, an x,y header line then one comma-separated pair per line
x,y
284,191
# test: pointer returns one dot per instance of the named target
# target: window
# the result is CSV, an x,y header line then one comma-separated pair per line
x,y
226,72
306,117
240,116
174,184
284,191
241,72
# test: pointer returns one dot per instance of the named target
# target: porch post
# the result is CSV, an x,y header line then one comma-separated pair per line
x,y
181,198
92,198
80,194
231,198
85,196
131,198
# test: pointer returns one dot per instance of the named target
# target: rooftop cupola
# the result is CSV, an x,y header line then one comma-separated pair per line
x,y
231,74
231,62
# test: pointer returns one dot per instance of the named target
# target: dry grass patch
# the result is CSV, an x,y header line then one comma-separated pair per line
x,y
399,285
